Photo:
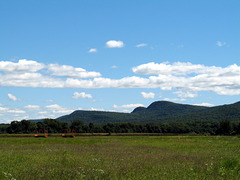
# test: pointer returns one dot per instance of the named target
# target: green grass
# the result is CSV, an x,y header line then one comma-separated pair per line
x,y
120,157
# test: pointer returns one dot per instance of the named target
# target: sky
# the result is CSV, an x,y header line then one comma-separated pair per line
x,y
58,56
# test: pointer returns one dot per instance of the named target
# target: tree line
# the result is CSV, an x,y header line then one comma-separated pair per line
x,y
54,126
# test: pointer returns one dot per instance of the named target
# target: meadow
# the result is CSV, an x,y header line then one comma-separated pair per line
x,y
120,157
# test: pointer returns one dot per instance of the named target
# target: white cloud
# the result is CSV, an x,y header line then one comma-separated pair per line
x,y
81,95
182,76
56,109
174,99
114,44
96,109
220,44
16,111
42,112
204,104
141,45
69,71
53,107
149,95
23,76
32,107
186,94
127,82
12,97
93,50
22,65
190,77
127,107
114,67
177,68
3,109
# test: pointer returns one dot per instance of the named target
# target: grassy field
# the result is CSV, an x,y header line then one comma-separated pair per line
x,y
120,157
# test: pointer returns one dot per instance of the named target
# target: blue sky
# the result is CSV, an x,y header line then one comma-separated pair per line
x,y
58,56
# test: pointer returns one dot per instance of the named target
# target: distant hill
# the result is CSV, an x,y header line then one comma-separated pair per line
x,y
159,112
98,117
166,108
36,120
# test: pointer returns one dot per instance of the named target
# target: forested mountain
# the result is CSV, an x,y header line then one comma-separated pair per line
x,y
97,117
159,112
162,109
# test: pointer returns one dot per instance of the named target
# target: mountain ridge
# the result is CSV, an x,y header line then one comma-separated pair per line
x,y
159,112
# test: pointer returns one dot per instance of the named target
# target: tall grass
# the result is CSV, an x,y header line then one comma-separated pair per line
x,y
120,157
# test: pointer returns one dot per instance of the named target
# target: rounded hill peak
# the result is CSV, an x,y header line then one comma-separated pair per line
x,y
138,109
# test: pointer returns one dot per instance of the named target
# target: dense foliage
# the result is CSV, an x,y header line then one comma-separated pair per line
x,y
3,128
54,126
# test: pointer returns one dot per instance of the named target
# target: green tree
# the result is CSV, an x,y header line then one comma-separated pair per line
x,y
225,128
91,127
53,125
14,128
238,128
28,126
77,125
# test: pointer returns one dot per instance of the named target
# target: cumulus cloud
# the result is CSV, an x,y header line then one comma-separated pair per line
x,y
33,112
192,77
32,107
92,50
22,65
187,94
81,95
114,44
28,73
42,112
177,68
149,95
69,71
127,107
96,109
127,82
57,109
16,111
12,97
53,107
3,109
12,111
204,104
174,99
184,77
141,45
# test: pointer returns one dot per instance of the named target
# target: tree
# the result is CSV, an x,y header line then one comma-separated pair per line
x,y
14,128
77,125
28,126
91,127
3,128
41,126
53,125
225,128
238,128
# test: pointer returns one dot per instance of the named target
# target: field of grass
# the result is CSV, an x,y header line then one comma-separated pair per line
x,y
120,157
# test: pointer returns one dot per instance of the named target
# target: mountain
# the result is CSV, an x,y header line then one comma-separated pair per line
x,y
159,112
172,112
166,108
98,117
